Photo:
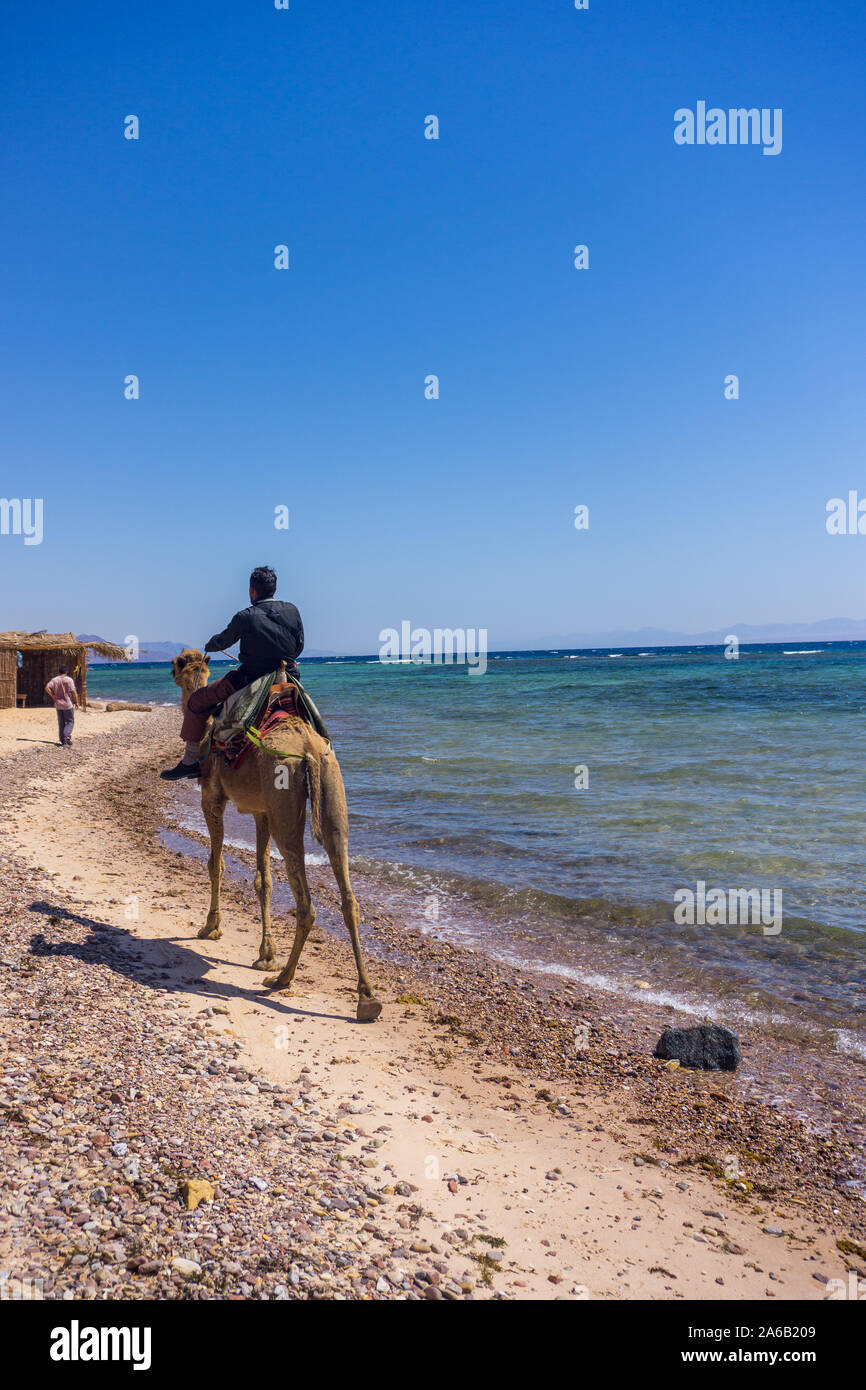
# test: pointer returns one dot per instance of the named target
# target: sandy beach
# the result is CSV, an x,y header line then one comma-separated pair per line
x,y
463,1147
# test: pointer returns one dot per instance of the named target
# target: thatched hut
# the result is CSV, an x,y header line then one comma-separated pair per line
x,y
41,653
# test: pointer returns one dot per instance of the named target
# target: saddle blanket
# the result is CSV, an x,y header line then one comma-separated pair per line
x,y
262,697
236,744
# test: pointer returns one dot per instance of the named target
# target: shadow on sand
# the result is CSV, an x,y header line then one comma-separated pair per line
x,y
162,964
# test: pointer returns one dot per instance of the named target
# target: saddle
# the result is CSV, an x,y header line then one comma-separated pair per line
x,y
253,711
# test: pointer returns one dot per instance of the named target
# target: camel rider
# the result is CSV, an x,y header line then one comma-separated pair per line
x,y
270,631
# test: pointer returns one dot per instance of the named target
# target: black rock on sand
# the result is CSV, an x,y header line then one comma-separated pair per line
x,y
708,1047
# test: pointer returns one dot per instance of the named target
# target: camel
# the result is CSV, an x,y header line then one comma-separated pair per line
x,y
274,789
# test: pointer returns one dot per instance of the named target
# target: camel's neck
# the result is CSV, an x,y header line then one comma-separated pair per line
x,y
193,682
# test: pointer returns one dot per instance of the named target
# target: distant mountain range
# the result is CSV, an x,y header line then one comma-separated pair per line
x,y
828,630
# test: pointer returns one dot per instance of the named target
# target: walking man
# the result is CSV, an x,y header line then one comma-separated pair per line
x,y
63,695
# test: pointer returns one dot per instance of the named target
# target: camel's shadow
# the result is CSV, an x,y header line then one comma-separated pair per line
x,y
159,963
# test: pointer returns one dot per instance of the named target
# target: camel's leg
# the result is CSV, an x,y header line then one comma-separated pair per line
x,y
213,807
305,915
369,1007
335,837
267,950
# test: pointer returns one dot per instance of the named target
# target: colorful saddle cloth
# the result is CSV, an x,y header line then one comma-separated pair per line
x,y
263,703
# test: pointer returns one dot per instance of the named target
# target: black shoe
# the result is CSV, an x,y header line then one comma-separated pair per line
x,y
174,774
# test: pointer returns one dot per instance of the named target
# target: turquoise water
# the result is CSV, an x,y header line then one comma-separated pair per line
x,y
744,774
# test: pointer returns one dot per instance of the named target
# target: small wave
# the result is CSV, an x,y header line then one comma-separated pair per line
x,y
850,1044
127,697
805,651
729,1011
613,655
609,984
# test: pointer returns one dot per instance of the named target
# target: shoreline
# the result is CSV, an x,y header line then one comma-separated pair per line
x,y
587,944
801,1072
621,1137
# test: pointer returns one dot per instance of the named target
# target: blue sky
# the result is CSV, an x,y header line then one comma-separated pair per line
x,y
305,387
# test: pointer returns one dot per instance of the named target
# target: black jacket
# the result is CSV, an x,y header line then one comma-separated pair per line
x,y
270,631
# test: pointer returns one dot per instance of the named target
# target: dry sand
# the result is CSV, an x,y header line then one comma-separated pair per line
x,y
549,1188
21,729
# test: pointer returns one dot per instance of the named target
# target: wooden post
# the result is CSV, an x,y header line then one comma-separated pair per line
x,y
82,684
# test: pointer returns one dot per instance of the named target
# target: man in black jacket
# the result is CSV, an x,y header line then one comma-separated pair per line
x,y
270,631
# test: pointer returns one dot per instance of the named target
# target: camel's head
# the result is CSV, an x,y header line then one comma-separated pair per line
x,y
190,670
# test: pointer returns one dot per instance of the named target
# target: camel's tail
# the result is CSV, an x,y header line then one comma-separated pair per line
x,y
314,791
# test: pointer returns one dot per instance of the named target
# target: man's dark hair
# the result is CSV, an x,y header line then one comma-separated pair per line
x,y
61,670
263,581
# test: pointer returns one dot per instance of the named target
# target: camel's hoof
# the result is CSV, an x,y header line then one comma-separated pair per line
x,y
273,982
210,934
368,1010
263,964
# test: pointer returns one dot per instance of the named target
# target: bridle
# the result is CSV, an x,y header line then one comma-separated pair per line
x,y
204,667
